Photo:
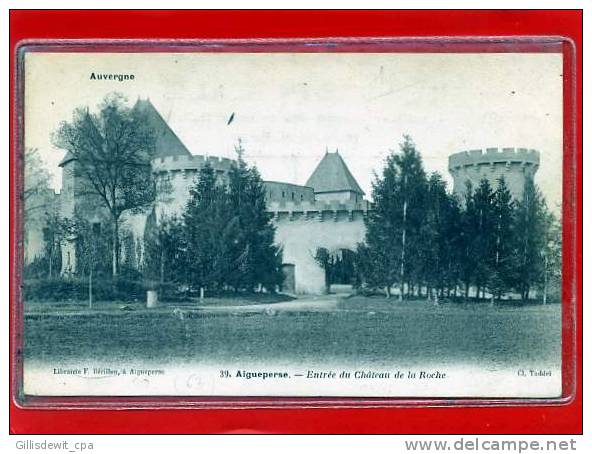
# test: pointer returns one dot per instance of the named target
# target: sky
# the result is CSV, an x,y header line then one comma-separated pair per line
x,y
290,108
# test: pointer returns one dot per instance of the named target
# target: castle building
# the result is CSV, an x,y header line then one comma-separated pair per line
x,y
515,165
327,212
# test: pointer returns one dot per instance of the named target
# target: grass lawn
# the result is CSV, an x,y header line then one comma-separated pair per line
x,y
360,330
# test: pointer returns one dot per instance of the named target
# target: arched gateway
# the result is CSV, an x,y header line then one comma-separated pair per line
x,y
328,212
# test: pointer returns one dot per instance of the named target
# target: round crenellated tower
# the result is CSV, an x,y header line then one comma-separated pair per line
x,y
175,175
514,164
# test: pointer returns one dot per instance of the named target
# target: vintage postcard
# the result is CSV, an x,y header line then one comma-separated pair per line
x,y
292,224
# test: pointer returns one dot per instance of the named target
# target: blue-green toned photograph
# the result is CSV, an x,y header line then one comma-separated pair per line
x,y
365,213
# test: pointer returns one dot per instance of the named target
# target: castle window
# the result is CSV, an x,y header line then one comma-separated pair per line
x,y
283,194
96,228
301,196
292,196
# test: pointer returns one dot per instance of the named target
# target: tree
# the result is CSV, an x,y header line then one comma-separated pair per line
x,y
412,189
256,259
551,255
379,256
112,150
45,265
229,233
326,261
93,248
503,233
368,272
530,238
467,241
393,227
453,244
210,230
36,182
434,231
165,258
38,207
53,234
483,205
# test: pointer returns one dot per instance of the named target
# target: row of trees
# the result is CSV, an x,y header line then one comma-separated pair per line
x,y
421,237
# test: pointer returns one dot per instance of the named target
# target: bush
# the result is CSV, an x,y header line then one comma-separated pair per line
x,y
64,289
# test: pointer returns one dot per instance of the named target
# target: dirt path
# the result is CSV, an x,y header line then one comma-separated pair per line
x,y
316,304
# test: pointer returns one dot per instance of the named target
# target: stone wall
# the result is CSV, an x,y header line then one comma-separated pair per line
x,y
300,234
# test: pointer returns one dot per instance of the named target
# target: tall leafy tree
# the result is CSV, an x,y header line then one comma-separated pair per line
x,y
211,230
550,281
530,238
394,225
368,267
503,237
435,232
454,244
483,201
468,258
380,256
256,259
413,191
164,251
112,150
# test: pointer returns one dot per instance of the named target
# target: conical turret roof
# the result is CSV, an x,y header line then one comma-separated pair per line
x,y
167,142
332,175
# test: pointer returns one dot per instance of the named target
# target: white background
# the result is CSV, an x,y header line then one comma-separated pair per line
x,y
195,444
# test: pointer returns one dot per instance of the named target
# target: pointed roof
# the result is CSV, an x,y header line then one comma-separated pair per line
x,y
332,175
167,142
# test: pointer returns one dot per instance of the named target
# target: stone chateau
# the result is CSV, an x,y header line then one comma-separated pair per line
x,y
328,211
